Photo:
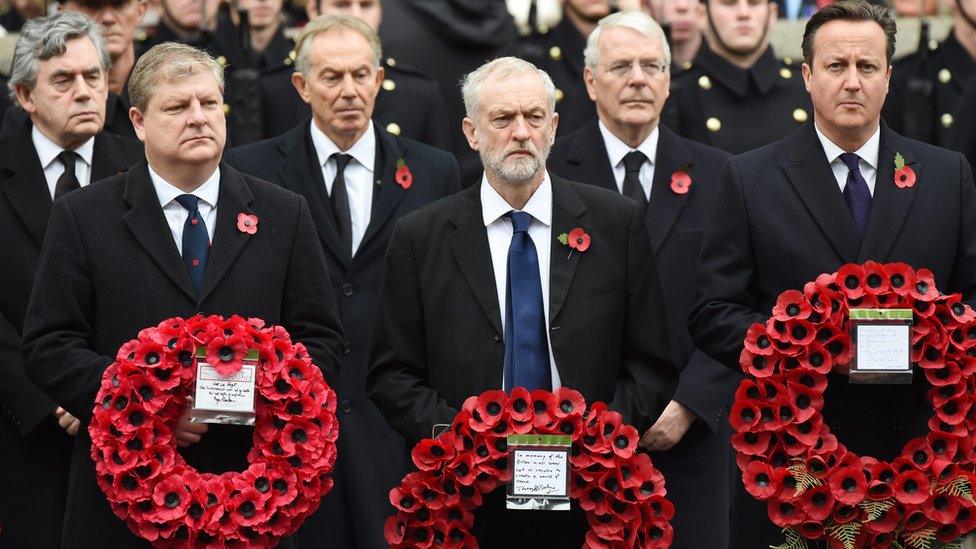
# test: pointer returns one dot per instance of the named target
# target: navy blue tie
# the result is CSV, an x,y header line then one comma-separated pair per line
x,y
856,193
526,349
196,242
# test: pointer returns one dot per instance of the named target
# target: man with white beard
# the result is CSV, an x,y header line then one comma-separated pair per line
x,y
479,292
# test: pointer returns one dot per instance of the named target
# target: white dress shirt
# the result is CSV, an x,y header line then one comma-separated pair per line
x,y
499,229
617,150
48,151
868,162
176,214
358,176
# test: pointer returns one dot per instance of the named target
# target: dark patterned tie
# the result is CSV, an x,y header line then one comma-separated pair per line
x,y
526,349
196,241
633,189
340,201
856,193
68,180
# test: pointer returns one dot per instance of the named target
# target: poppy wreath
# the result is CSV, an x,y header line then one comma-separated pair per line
x,y
814,488
620,490
166,501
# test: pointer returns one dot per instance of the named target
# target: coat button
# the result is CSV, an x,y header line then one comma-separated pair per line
x,y
498,337
393,128
346,406
389,85
347,289
713,124
897,424
705,83
800,115
347,348
945,76
946,120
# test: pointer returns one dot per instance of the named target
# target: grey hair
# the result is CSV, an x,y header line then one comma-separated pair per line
x,y
325,23
168,61
45,37
633,19
502,68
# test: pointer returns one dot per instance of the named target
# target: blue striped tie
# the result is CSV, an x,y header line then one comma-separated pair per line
x,y
526,348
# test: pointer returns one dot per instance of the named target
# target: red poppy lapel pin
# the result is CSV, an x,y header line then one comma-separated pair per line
x,y
247,223
904,175
403,176
681,180
577,239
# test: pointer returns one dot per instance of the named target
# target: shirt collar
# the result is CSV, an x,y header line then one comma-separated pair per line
x,y
617,149
868,151
539,206
363,150
48,150
167,192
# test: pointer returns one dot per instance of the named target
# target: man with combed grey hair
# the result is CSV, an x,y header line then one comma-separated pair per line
x,y
58,79
525,304
673,180
345,164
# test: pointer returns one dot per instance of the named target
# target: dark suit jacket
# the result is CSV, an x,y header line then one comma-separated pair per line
x,y
110,267
35,456
371,462
697,467
780,220
438,335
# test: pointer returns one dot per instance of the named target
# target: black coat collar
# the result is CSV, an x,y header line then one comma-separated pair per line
x,y
762,74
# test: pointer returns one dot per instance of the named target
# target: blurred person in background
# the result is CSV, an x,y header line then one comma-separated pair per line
x,y
736,80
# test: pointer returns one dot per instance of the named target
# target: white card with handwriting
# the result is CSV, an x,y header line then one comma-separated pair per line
x,y
538,473
233,393
883,347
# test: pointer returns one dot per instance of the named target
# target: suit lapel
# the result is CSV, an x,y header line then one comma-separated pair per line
x,y
25,186
666,205
567,208
389,149
302,173
107,158
811,177
149,227
469,244
235,197
890,204
589,158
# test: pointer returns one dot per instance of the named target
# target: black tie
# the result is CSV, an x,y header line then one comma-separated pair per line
x,y
632,185
68,180
340,201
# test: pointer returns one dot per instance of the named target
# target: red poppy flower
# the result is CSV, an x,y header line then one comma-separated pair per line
x,y
519,406
758,479
578,240
569,403
428,454
624,441
247,223
171,498
818,502
876,279
226,355
680,182
961,312
924,288
904,177
489,408
911,487
850,279
785,513
848,485
744,416
757,340
758,365
751,444
791,304
403,175
941,508
954,411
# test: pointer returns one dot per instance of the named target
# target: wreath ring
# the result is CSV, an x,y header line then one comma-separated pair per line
x,y
813,486
148,483
618,488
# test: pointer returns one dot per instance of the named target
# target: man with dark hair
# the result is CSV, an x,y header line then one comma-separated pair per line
x,y
823,197
170,225
930,90
58,79
736,80
344,165
627,150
